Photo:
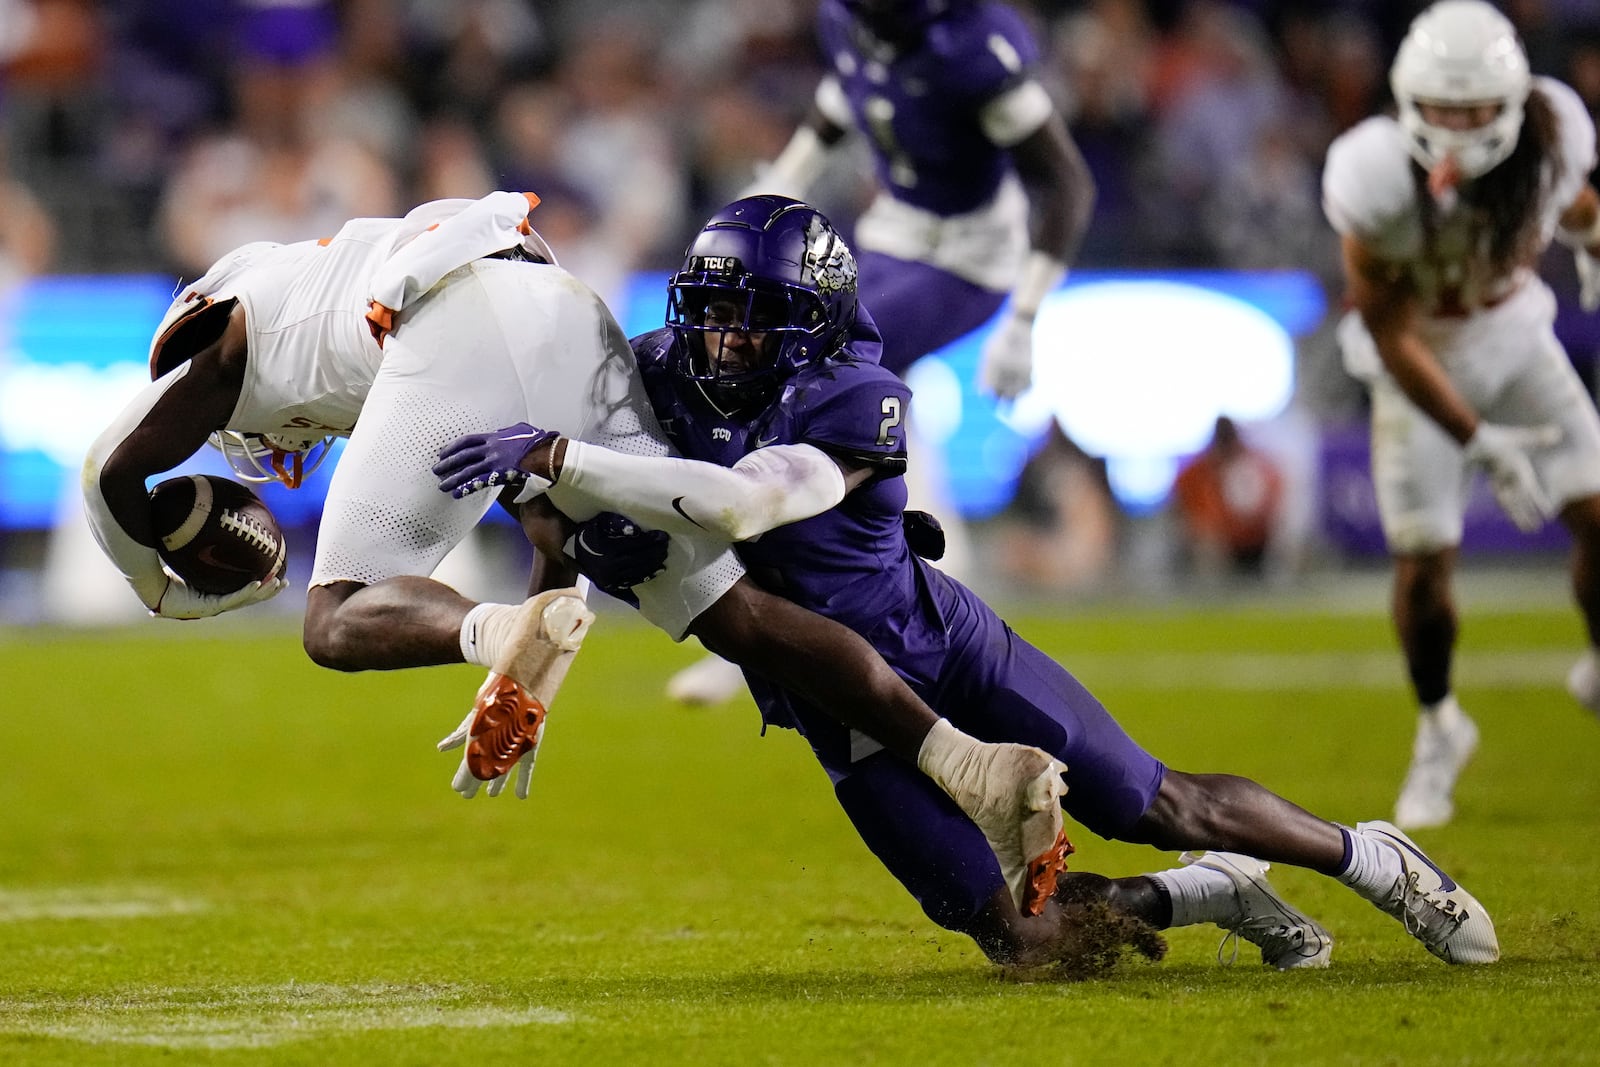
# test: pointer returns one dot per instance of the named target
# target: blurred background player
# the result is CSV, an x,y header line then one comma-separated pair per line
x,y
767,372
1443,213
970,154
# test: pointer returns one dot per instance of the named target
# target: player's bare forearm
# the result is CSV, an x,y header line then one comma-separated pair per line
x,y
1060,186
547,530
821,661
1391,310
174,428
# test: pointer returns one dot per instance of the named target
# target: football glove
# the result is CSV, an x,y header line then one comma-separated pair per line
x,y
616,554
1503,452
924,534
482,460
181,601
1006,369
1588,279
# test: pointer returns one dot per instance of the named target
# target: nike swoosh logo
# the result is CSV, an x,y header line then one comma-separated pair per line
x,y
763,442
1446,882
583,543
208,556
677,505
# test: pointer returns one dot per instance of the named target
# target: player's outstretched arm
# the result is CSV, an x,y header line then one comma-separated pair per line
x,y
1061,195
165,424
768,488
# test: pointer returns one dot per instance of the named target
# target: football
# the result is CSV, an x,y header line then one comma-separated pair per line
x,y
215,533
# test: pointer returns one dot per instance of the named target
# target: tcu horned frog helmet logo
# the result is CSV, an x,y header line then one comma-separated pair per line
x,y
828,260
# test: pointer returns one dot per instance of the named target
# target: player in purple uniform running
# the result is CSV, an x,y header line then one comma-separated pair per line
x,y
968,149
768,374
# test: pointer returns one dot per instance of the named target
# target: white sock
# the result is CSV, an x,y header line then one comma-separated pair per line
x,y
1373,867
1199,895
484,632
1445,713
943,751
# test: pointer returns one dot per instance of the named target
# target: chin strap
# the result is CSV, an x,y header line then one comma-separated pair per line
x,y
289,477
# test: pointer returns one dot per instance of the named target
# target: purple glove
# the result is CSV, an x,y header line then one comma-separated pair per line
x,y
614,553
481,460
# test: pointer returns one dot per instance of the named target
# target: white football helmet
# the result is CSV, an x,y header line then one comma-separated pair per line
x,y
1461,52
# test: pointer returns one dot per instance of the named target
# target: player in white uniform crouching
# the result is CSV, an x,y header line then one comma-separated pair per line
x,y
1443,214
448,321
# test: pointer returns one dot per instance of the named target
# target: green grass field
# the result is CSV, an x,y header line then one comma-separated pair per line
x,y
213,851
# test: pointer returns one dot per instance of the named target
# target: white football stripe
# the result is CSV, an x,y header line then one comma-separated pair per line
x,y
198,514
1307,670
33,905
225,1017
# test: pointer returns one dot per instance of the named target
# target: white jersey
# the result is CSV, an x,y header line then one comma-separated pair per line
x,y
312,353
1370,193
476,343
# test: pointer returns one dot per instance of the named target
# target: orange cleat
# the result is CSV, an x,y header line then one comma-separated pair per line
x,y
507,723
1043,872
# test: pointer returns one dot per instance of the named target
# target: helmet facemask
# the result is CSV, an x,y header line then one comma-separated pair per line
x,y
733,334
262,457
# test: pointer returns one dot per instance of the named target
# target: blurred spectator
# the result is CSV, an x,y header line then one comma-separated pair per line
x,y
282,171
1217,95
1059,534
1104,56
1229,498
622,144
27,233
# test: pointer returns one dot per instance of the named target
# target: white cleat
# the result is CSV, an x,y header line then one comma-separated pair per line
x,y
1287,937
1446,740
712,680
1447,919
1583,681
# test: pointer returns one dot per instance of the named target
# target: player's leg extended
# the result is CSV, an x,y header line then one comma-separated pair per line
x,y
1419,477
1236,815
1582,517
385,525
1117,789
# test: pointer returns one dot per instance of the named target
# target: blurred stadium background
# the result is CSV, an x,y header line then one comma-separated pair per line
x,y
138,141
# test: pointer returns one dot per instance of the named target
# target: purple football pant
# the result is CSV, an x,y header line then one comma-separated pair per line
x,y
997,687
919,308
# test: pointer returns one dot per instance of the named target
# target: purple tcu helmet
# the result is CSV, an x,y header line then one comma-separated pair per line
x,y
764,265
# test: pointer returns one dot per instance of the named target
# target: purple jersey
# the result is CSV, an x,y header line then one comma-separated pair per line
x,y
920,107
851,564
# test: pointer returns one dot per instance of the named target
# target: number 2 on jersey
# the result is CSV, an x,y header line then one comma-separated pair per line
x,y
891,419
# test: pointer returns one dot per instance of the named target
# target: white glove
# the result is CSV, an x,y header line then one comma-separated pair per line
x,y
1007,366
1502,451
180,601
467,784
1588,279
